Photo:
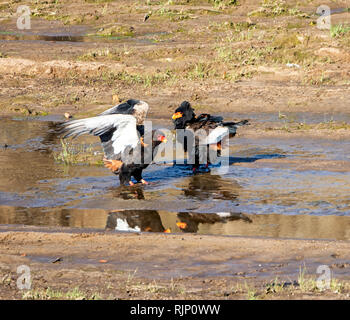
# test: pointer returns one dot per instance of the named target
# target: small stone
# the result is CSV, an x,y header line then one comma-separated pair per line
x,y
49,70
146,17
67,115
59,259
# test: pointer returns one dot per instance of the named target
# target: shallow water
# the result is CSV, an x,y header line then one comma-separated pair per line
x,y
267,191
77,36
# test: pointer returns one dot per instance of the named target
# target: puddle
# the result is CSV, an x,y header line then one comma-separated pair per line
x,y
268,190
77,38
292,117
44,37
66,38
340,10
55,31
221,223
194,267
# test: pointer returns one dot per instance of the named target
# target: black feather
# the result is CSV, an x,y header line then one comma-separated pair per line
x,y
123,108
204,121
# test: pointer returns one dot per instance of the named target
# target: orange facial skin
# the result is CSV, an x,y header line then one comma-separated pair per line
x,y
163,139
177,115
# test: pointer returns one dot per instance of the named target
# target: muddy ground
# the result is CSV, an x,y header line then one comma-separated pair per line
x,y
222,58
76,265
262,60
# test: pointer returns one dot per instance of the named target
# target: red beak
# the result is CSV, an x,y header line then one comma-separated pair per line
x,y
162,139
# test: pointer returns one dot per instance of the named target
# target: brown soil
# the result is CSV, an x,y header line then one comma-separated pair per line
x,y
184,63
222,59
167,266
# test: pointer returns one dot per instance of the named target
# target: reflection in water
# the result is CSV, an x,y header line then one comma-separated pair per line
x,y
128,192
279,199
19,133
25,160
70,38
193,219
200,186
20,215
53,217
224,223
50,137
135,220
204,186
152,220
15,36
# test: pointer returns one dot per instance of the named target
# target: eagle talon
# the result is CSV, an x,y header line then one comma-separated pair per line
x,y
121,130
113,165
143,143
143,181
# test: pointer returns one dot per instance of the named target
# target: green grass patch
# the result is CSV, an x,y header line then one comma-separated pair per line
x,y
172,14
76,153
339,30
291,124
244,56
146,80
50,294
222,4
98,1
199,71
229,25
294,25
101,54
273,8
113,31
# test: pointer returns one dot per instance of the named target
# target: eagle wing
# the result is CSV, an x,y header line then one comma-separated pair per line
x,y
137,108
118,132
214,135
221,131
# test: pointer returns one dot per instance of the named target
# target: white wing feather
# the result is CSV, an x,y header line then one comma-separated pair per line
x,y
215,135
125,133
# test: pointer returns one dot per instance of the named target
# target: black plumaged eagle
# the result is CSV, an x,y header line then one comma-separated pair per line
x,y
121,130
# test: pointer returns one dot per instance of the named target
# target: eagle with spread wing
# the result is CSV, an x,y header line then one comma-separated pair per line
x,y
121,130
